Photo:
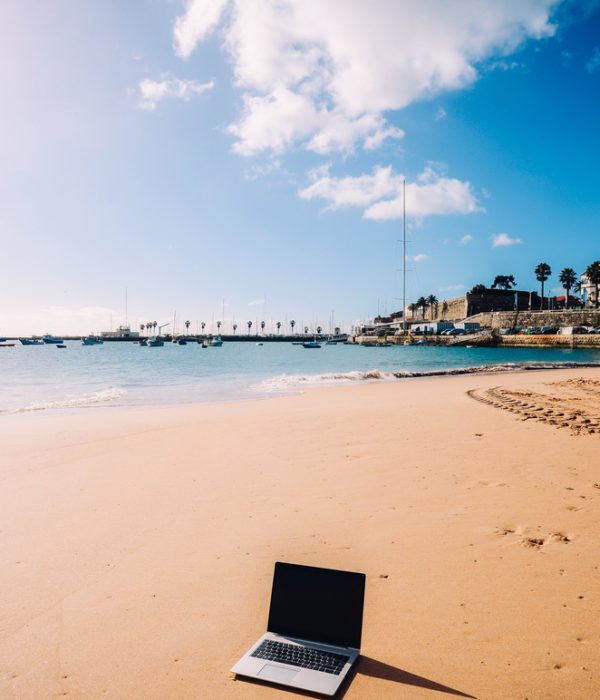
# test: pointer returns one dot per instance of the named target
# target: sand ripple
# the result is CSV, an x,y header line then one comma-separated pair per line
x,y
573,403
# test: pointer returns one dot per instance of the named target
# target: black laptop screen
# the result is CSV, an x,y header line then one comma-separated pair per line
x,y
322,605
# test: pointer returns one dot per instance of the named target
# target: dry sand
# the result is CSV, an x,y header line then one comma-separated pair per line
x,y
137,546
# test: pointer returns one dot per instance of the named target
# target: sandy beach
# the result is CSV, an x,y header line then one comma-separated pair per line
x,y
138,544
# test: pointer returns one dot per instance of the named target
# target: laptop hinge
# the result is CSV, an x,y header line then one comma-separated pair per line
x,y
314,641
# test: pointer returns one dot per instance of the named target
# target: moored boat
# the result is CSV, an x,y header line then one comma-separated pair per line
x,y
216,342
92,340
310,344
30,341
155,342
51,340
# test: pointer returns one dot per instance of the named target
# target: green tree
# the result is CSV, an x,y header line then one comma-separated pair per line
x,y
413,308
292,324
432,303
478,289
504,282
422,304
249,327
278,324
187,327
593,274
568,279
542,273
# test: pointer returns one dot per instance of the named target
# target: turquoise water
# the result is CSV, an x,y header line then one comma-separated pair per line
x,y
125,374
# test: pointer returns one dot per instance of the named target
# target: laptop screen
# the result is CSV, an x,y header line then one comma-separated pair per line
x,y
321,605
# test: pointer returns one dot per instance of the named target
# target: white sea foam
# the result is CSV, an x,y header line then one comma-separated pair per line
x,y
290,382
82,401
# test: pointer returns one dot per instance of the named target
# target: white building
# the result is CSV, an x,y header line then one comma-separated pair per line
x,y
588,291
121,332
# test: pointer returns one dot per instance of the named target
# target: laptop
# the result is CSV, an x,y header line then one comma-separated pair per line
x,y
314,629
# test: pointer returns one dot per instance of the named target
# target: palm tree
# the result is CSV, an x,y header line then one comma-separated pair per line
x,y
305,330
422,304
542,272
187,327
154,324
203,326
319,329
292,324
234,328
568,278
433,302
413,308
593,274
262,327
504,282
218,326
278,324
249,326
142,326
478,289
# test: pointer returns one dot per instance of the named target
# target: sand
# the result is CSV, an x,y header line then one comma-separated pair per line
x,y
137,545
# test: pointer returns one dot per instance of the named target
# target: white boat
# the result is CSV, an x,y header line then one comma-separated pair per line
x,y
92,340
216,342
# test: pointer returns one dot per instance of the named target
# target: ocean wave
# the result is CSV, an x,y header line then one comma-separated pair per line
x,y
81,401
285,382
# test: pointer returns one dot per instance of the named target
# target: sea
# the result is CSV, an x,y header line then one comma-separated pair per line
x,y
116,374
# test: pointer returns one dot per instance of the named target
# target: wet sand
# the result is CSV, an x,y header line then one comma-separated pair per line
x,y
138,545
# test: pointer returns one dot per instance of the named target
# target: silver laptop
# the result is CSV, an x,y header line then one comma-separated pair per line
x,y
314,629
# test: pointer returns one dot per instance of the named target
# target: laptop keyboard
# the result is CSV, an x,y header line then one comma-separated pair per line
x,y
305,657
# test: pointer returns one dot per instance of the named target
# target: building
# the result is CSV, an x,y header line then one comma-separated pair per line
x,y
588,291
121,332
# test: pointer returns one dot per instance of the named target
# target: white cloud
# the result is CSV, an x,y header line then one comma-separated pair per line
x,y
198,21
419,257
168,87
466,239
503,239
380,193
594,63
324,74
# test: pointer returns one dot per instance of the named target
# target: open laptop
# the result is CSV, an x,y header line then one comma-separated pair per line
x,y
314,629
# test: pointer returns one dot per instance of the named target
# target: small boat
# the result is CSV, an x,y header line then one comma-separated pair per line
x,y
144,343
60,346
92,340
204,343
181,341
7,345
216,342
259,344
51,340
30,341
155,342
309,344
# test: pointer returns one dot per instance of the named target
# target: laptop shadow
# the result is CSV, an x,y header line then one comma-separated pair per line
x,y
376,669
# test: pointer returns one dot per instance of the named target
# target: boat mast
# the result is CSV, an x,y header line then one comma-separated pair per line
x,y
404,254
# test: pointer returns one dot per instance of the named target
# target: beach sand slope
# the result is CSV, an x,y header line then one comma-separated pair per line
x,y
138,545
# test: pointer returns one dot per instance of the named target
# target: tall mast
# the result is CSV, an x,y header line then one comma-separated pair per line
x,y
404,254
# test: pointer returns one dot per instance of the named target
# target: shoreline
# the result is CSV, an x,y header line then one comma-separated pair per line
x,y
139,544
300,383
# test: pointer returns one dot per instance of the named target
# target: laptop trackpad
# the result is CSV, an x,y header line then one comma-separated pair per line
x,y
276,673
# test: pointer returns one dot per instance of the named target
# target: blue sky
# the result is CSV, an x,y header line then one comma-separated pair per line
x,y
250,155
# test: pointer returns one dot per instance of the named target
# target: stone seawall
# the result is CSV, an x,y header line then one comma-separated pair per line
x,y
537,319
550,341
